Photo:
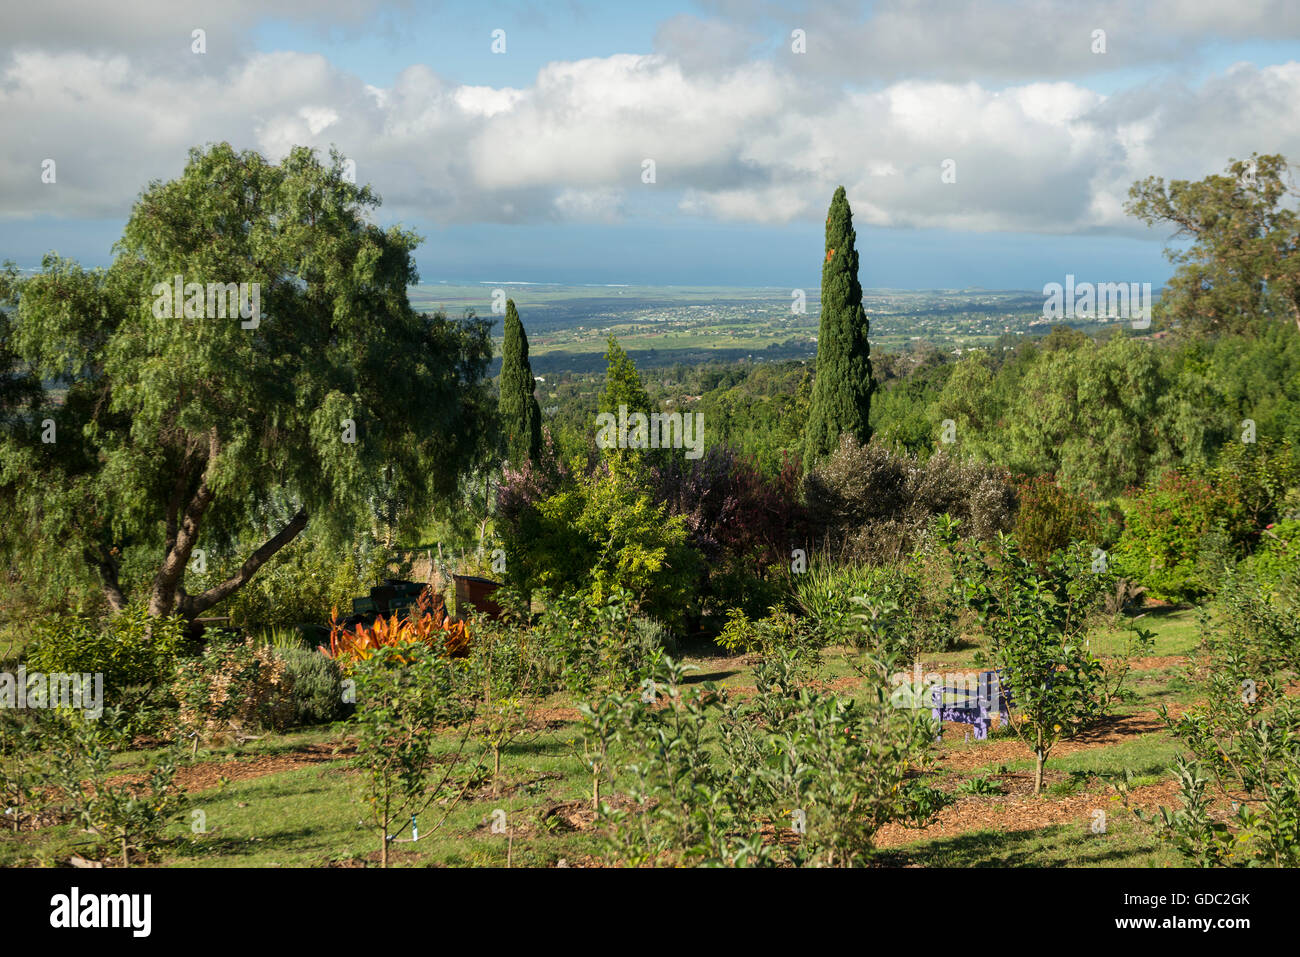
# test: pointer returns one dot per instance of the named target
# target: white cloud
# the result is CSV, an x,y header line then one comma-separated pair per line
x,y
755,141
486,101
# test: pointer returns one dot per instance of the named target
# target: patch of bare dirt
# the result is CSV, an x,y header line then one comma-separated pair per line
x,y
844,684
553,717
579,815
1157,662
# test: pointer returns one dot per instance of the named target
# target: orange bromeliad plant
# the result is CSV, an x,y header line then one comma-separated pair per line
x,y
431,627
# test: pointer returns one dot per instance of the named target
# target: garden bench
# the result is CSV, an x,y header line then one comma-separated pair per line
x,y
960,704
389,598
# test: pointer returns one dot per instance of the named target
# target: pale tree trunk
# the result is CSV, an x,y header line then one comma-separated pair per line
x,y
182,531
162,597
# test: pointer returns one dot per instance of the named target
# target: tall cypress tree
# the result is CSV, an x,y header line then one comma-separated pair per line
x,y
521,417
841,398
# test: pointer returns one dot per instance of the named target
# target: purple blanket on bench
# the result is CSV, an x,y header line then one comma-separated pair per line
x,y
972,707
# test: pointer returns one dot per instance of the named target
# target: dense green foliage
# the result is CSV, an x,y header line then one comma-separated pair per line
x,y
179,427
521,418
705,772
603,533
760,411
1239,778
623,385
1166,527
1277,560
841,394
1050,518
232,687
130,649
315,686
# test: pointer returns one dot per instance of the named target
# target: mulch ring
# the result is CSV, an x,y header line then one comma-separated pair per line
x,y
46,816
1024,811
579,815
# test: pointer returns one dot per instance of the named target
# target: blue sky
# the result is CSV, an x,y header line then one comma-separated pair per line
x,y
527,165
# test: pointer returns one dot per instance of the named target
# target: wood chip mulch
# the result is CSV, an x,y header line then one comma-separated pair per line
x,y
554,717
208,774
1025,813
1158,662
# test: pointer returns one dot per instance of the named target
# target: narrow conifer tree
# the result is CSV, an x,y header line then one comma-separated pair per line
x,y
624,412
521,417
623,385
841,398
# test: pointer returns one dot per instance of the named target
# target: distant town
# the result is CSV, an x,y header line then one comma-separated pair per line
x,y
569,326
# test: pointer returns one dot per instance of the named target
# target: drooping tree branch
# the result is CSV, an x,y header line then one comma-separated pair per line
x,y
191,606
140,465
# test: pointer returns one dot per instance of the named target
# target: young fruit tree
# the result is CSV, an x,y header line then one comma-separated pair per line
x,y
249,363
406,694
1035,617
